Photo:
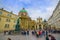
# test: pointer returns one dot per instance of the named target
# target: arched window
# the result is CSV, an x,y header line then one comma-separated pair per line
x,y
39,26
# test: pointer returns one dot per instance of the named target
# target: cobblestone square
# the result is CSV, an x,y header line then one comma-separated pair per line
x,y
26,37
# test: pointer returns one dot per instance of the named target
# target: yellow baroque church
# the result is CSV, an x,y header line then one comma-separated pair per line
x,y
25,20
8,21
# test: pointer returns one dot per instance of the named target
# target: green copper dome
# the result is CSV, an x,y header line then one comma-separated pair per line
x,y
23,10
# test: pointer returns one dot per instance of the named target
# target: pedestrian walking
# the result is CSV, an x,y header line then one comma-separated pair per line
x,y
47,38
52,37
37,34
27,32
32,32
43,33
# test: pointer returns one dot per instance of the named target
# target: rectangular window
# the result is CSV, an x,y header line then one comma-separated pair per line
x,y
6,25
7,20
0,13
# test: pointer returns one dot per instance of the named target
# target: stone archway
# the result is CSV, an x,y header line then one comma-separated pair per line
x,y
32,28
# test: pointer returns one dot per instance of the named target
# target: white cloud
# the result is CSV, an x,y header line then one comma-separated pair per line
x,y
42,11
38,12
35,8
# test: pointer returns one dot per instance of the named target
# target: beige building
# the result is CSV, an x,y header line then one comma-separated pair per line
x,y
39,23
54,20
7,20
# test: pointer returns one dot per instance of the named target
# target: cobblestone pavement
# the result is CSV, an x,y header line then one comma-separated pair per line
x,y
25,37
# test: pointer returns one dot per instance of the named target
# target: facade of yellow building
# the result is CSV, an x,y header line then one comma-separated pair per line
x,y
7,20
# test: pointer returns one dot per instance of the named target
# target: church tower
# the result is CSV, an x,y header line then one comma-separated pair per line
x,y
24,19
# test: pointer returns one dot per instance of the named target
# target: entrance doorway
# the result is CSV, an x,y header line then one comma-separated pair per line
x,y
40,27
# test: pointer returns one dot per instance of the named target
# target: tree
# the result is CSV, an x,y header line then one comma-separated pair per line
x,y
17,27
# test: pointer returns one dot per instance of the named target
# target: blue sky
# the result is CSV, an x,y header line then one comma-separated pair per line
x,y
35,8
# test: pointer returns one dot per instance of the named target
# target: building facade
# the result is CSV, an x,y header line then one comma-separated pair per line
x,y
54,20
39,23
25,20
7,20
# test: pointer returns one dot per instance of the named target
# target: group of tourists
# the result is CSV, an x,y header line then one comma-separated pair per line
x,y
39,33
25,32
50,37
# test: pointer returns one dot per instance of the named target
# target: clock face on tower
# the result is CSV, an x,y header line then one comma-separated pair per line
x,y
24,13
